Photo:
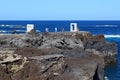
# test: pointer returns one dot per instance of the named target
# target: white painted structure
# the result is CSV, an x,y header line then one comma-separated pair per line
x,y
55,29
73,27
30,27
46,29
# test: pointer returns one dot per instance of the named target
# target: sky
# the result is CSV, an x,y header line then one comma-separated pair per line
x,y
59,9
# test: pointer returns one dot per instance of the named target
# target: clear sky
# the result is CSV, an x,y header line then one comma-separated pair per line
x,y
59,9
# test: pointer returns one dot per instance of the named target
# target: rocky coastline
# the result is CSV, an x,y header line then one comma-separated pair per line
x,y
55,56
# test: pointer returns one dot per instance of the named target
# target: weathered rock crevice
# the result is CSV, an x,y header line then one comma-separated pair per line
x,y
96,75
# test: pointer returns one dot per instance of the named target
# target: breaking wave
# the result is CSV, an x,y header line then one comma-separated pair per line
x,y
112,36
106,78
106,25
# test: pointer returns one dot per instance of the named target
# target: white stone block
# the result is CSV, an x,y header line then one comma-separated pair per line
x,y
30,27
73,27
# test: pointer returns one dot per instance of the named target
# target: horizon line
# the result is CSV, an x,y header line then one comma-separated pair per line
x,y
59,20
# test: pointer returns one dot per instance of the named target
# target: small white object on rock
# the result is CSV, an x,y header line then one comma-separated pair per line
x,y
55,74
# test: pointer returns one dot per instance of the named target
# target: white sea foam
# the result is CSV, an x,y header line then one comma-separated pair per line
x,y
106,78
112,36
37,30
20,30
3,31
3,25
106,25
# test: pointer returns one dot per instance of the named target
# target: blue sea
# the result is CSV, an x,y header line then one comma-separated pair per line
x,y
111,30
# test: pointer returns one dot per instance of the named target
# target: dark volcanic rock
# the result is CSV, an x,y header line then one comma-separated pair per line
x,y
3,74
29,72
109,50
55,56
93,70
42,68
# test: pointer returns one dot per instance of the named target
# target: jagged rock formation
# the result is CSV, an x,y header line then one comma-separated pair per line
x,y
55,56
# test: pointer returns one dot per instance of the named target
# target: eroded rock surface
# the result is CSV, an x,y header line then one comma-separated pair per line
x,y
55,56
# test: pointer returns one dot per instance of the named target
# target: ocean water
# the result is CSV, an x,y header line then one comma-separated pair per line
x,y
111,30
112,72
